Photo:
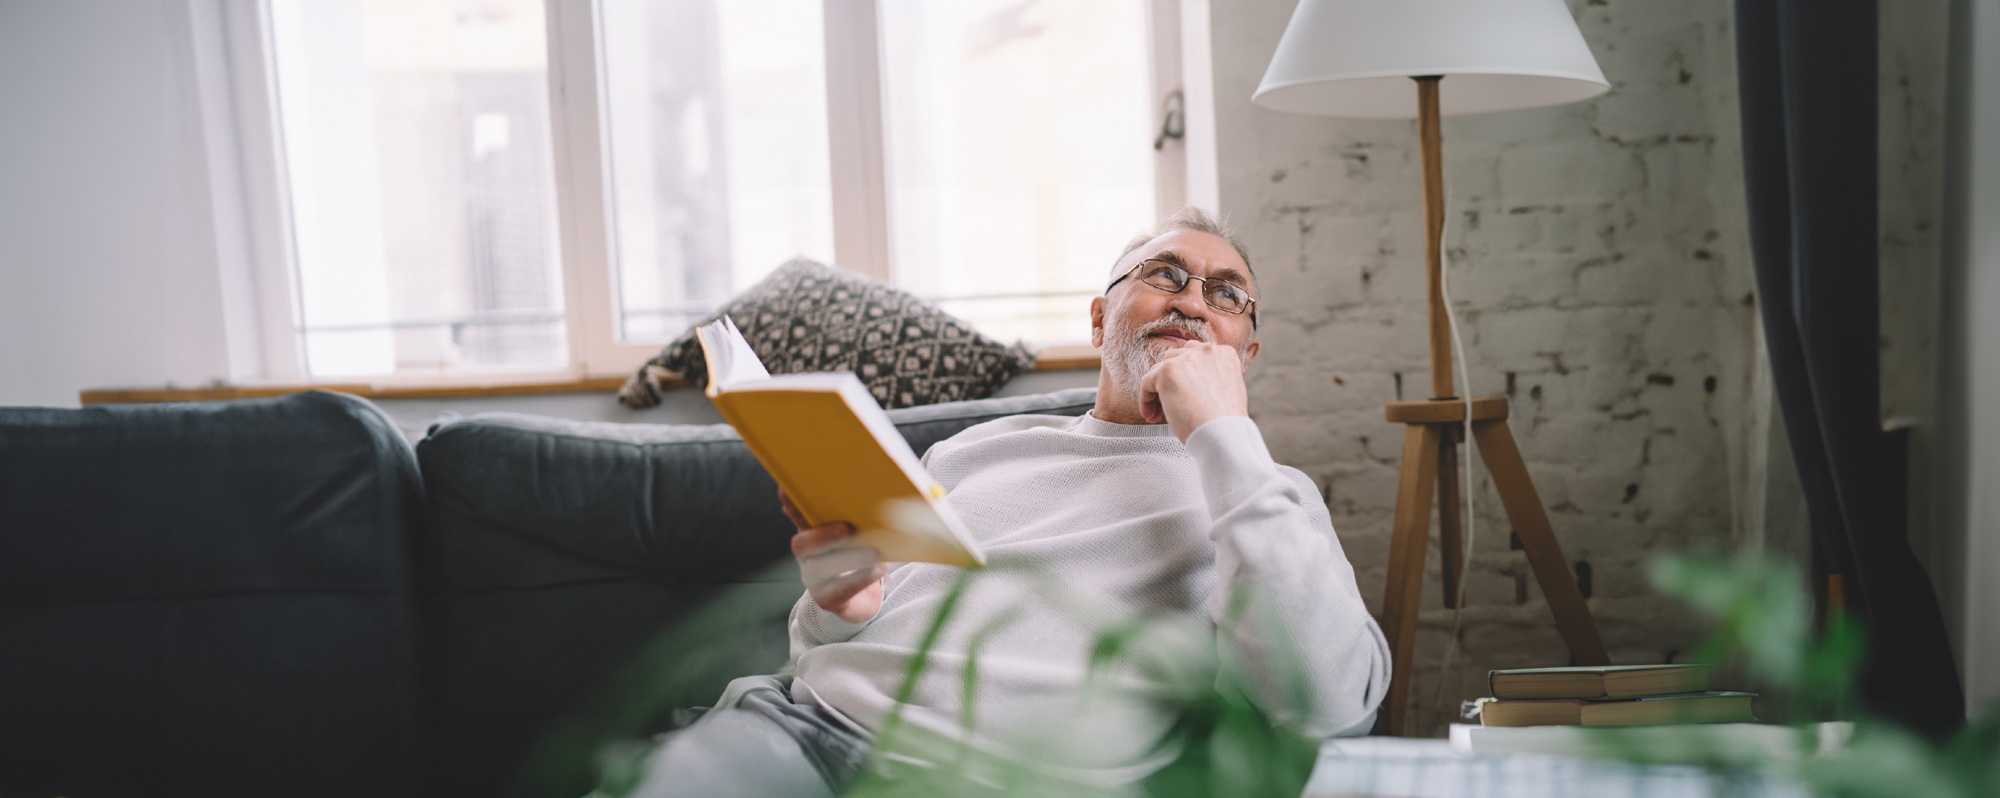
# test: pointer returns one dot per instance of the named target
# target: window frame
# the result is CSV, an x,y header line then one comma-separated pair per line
x,y
582,175
248,190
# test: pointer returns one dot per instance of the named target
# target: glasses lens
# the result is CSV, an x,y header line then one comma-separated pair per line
x,y
1164,276
1226,296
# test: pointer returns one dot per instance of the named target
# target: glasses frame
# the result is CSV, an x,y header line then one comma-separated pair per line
x,y
1250,308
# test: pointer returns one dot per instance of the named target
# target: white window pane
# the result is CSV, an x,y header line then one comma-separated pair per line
x,y
417,153
1020,160
717,129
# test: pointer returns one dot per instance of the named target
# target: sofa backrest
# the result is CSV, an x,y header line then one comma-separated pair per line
x,y
209,598
566,546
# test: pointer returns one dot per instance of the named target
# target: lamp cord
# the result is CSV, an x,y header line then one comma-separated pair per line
x,y
1464,455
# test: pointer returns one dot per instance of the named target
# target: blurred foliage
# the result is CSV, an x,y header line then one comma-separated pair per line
x,y
1219,742
604,743
1764,621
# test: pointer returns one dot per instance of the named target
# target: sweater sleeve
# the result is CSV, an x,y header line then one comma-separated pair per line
x,y
812,626
1289,616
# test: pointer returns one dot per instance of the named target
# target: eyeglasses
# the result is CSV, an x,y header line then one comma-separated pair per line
x,y
1220,294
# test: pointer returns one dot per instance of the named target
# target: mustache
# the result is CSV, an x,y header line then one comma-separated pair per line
x,y
1195,327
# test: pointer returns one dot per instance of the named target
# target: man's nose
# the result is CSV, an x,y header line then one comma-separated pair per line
x,y
1189,303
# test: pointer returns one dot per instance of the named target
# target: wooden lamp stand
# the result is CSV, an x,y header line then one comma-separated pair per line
x,y
1430,459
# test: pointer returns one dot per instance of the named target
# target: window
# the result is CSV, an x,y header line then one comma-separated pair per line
x,y
1018,150
716,123
482,187
417,151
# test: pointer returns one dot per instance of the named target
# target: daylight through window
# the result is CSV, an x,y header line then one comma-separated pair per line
x,y
423,142
417,152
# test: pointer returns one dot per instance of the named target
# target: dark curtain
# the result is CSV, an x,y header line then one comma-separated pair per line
x,y
1807,74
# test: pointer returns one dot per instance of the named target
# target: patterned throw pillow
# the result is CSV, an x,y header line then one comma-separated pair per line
x,y
811,317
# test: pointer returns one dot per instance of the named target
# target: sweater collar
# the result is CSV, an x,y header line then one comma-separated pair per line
x,y
1090,424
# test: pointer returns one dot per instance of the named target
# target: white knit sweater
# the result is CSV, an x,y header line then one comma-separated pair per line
x,y
1086,522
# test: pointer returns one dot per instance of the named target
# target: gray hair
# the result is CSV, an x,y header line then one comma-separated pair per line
x,y
1190,217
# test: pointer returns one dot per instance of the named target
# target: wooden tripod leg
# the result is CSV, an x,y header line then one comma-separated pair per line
x,y
1414,493
1451,548
1524,508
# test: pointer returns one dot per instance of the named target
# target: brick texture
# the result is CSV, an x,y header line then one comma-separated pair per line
x,y
1600,269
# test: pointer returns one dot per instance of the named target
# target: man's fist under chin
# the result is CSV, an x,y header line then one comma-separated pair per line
x,y
1194,384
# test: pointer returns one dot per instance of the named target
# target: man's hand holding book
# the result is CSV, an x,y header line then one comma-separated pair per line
x,y
844,579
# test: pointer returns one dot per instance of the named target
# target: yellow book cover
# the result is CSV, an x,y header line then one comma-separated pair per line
x,y
829,444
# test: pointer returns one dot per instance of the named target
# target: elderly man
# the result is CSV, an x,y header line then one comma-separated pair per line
x,y
1162,502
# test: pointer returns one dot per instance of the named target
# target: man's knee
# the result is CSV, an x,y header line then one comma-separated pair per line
x,y
730,752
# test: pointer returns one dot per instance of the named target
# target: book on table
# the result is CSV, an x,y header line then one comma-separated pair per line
x,y
830,446
1612,681
1706,707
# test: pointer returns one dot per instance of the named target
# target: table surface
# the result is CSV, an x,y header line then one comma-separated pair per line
x,y
1389,766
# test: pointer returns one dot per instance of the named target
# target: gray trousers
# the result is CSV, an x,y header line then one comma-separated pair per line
x,y
756,742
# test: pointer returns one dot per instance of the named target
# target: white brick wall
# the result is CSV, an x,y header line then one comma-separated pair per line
x,y
1602,277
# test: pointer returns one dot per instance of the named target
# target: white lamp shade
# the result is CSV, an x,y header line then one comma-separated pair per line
x,y
1355,58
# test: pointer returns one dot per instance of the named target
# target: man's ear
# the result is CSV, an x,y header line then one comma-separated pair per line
x,y
1097,322
1249,354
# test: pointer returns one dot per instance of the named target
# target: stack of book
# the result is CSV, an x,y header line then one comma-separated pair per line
x,y
1630,695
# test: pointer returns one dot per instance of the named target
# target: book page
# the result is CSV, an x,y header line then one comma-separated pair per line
x,y
730,359
933,515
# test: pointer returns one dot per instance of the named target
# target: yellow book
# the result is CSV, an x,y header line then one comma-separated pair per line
x,y
828,443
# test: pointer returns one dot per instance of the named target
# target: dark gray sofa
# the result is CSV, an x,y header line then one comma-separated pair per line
x,y
274,597
214,598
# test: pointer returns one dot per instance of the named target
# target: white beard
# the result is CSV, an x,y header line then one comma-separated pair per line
x,y
1129,353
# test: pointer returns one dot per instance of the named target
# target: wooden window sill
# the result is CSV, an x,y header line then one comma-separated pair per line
x,y
1055,358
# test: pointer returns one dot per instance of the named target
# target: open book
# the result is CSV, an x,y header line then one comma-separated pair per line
x,y
827,442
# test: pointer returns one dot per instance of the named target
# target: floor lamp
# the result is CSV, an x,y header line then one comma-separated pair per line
x,y
1396,59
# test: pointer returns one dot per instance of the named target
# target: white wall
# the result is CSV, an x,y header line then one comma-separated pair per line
x,y
107,250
